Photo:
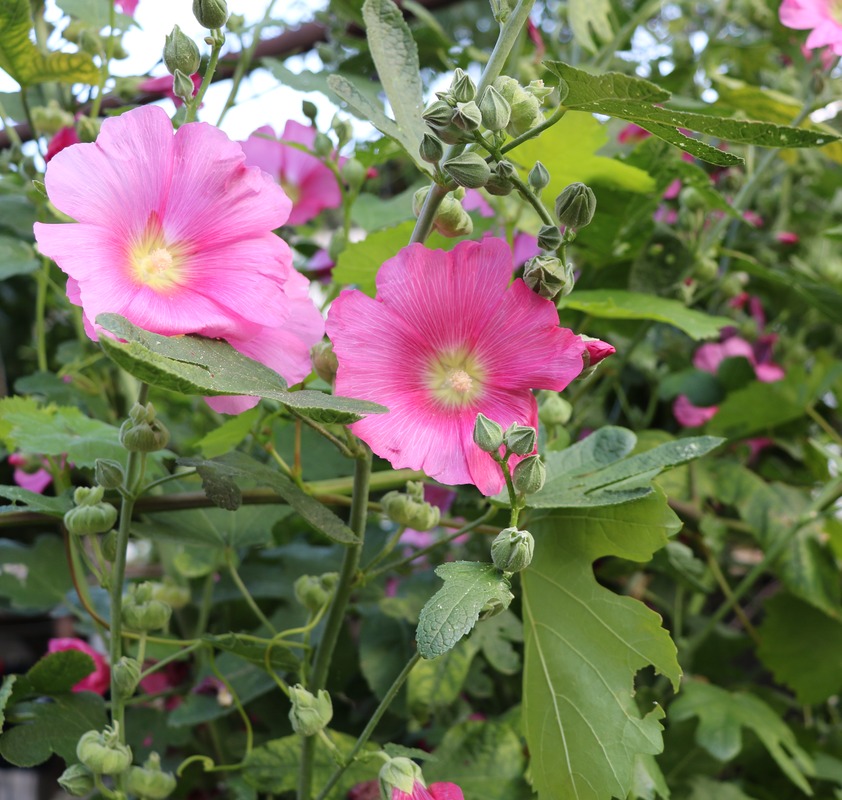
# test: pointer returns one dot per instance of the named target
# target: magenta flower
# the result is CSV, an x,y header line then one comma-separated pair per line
x,y
29,474
435,791
447,338
175,234
788,238
64,137
632,133
597,350
100,679
306,180
126,6
821,17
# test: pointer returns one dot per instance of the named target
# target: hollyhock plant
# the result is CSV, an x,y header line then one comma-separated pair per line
x,y
446,338
175,234
310,185
820,17
34,480
100,679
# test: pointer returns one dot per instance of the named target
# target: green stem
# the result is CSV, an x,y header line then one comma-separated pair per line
x,y
218,38
205,607
237,702
229,559
169,659
533,132
106,62
527,194
336,615
40,315
381,709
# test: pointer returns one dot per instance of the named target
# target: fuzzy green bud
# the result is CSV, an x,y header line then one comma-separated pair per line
x,y
526,107
126,673
353,173
410,509
309,713
236,23
529,475
142,432
108,473
149,782
87,129
512,550
314,591
547,276
182,86
322,145
549,237
142,612
50,119
211,14
180,53
451,219
109,546
77,780
495,109
343,130
399,773
90,515
554,410
462,88
575,206
519,439
692,199
488,434
324,361
539,177
173,594
438,115
102,753
430,149
467,116
468,170
498,186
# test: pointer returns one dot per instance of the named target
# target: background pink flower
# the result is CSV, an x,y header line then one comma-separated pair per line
x,y
820,17
63,138
446,338
306,180
100,679
28,475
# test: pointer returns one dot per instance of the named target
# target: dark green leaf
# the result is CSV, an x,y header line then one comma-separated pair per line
x,y
220,489
32,501
281,658
435,684
16,258
34,578
701,388
495,637
5,693
55,673
228,435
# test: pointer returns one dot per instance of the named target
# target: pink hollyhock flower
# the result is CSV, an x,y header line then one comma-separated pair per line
x,y
435,791
100,679
64,137
306,180
632,133
597,350
447,338
126,6
28,475
753,218
821,17
175,234
163,87
787,237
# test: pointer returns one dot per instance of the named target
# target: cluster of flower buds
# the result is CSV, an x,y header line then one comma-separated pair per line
x,y
314,591
524,102
89,515
309,713
451,218
489,436
512,549
142,432
126,675
182,59
410,509
89,39
142,611
102,753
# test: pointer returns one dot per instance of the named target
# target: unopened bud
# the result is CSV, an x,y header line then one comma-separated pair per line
x,y
314,591
549,237
692,199
547,276
109,546
309,110
87,128
141,612
343,130
180,53
438,115
430,150
495,109
142,432
236,23
468,170
526,108
451,219
309,713
149,781
512,550
322,145
171,593
467,116
90,515
324,361
554,410
126,674
519,439
182,86
353,173
462,88
529,475
539,177
102,753
575,206
498,185
488,434
410,509
77,780
401,774
211,14
50,119
108,473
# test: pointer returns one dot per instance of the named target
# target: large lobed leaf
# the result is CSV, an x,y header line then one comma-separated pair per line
x,y
584,646
36,577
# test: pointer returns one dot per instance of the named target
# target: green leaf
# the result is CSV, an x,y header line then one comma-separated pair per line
x,y
385,647
620,304
219,488
32,501
485,759
703,788
239,466
24,62
455,608
273,767
196,365
52,727
494,639
16,258
5,693
435,684
590,19
584,646
281,658
34,578
793,628
228,435
55,673
723,714
648,782
95,13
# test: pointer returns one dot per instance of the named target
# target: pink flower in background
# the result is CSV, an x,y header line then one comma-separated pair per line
x,y
306,180
821,17
28,475
753,218
435,791
64,137
175,234
632,133
787,237
447,338
100,679
126,6
163,87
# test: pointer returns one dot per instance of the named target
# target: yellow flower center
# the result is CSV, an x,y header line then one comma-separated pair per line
x,y
456,378
155,264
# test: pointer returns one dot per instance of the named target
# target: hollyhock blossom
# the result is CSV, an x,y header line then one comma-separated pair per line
x,y
632,133
306,180
447,338
787,237
100,679
175,234
24,476
597,350
435,791
821,17
126,6
64,137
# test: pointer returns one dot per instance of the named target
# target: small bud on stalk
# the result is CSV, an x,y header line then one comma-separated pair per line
x,y
324,361
182,86
141,432
410,509
314,591
468,170
575,206
467,116
548,277
309,713
431,150
554,410
90,515
529,475
549,238
126,676
149,781
399,774
451,219
102,753
180,53
108,473
353,173
539,177
462,88
519,439
511,550
142,612
488,435
495,109
77,780
211,14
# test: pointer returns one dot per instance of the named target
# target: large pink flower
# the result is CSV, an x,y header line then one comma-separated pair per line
x,y
100,679
175,234
446,339
435,791
823,18
307,181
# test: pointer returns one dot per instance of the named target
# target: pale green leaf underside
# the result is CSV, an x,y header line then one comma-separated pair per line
x,y
590,20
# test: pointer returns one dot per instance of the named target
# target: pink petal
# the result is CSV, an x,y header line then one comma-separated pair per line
x,y
691,416
769,373
445,791
36,481
99,680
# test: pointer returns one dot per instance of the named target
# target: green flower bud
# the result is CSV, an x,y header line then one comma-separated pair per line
x,y
734,284
539,177
236,23
462,88
141,432
173,594
526,108
90,515
141,612
211,14
180,53
353,173
549,237
438,115
706,269
315,591
324,361
468,170
109,546
410,509
467,116
538,90
430,150
338,242
512,550
575,206
182,86
343,130
498,186
309,713
88,129
488,435
547,276
519,439
529,475
451,219
554,409
102,753
309,110
692,199
495,109
149,782
108,473
399,773
322,145
126,674
73,31
50,119
77,780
